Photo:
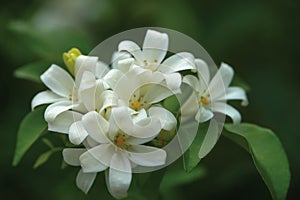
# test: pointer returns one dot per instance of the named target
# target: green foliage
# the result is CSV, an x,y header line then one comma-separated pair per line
x,y
43,158
268,155
32,71
179,177
191,157
31,128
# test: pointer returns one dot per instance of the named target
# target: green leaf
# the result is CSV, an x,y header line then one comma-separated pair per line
x,y
191,156
268,155
32,71
171,103
31,128
43,158
179,177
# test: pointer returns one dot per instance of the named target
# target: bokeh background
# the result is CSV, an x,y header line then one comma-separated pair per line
x,y
259,38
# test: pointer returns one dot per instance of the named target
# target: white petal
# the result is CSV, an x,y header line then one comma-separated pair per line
x,y
192,81
144,128
71,156
236,93
112,77
97,159
178,62
77,133
108,98
147,156
84,181
227,110
102,153
221,80
119,176
155,46
96,126
156,93
87,90
173,82
132,48
124,65
82,64
167,119
63,121
204,115
101,69
118,56
57,108
203,71
210,139
58,80
45,97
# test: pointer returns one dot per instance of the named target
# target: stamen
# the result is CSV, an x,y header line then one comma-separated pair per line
x,y
151,68
136,105
120,141
204,100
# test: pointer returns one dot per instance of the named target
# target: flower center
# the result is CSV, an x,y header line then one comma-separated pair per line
x,y
204,100
151,68
136,105
120,141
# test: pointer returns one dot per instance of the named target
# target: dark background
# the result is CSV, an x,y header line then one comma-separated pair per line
x,y
259,38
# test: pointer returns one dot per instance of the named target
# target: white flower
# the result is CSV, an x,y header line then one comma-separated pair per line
x,y
151,57
138,90
95,97
63,93
118,148
213,94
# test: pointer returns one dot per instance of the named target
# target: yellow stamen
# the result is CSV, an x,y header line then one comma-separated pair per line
x,y
120,141
136,105
204,100
151,68
70,58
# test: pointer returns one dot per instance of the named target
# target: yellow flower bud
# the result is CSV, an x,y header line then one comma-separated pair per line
x,y
70,58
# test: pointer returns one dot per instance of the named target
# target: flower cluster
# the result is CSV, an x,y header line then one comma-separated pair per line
x,y
113,112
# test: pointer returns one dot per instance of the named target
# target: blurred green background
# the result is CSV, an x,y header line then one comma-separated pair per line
x,y
259,38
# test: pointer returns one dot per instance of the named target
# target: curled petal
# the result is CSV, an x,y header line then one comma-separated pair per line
x,y
144,128
57,108
77,133
147,156
84,63
119,176
133,49
101,69
155,46
227,110
237,93
45,97
63,121
118,56
96,126
220,82
173,82
167,119
192,81
58,80
97,159
204,115
112,77
203,71
71,156
178,62
84,181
